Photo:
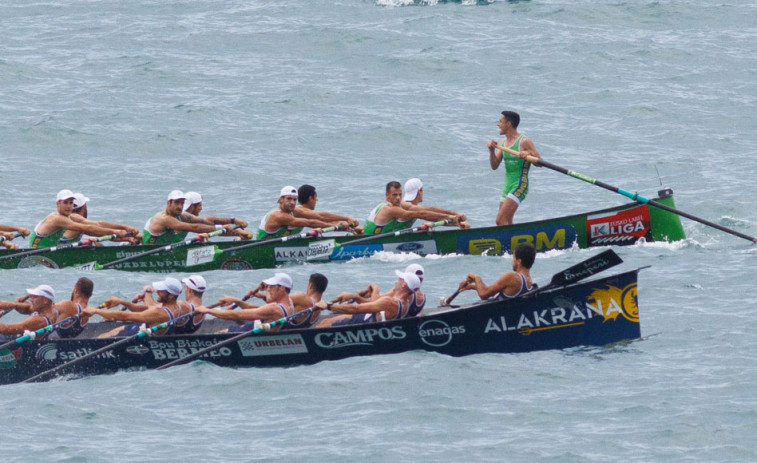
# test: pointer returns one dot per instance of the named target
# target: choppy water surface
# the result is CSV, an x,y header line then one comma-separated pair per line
x,y
125,101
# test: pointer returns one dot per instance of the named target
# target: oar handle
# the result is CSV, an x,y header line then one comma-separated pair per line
x,y
632,195
448,300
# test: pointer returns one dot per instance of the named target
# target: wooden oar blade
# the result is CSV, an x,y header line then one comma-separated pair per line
x,y
587,268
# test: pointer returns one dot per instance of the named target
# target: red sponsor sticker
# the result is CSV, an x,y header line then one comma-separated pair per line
x,y
622,227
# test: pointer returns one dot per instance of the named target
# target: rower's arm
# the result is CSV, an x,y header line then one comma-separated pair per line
x,y
416,207
90,228
20,307
305,213
286,220
11,229
495,155
151,316
527,148
266,312
175,224
503,282
381,304
32,323
396,212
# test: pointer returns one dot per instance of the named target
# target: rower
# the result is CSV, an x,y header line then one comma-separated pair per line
x,y
307,198
172,224
165,309
372,293
384,308
282,221
390,216
50,230
8,232
193,205
75,306
79,214
413,196
194,288
511,284
41,309
278,304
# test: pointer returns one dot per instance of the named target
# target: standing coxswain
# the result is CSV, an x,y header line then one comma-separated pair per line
x,y
516,167
51,229
172,224
282,221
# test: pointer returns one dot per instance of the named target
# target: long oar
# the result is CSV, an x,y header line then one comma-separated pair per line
x,y
111,346
166,248
634,196
282,239
47,329
260,329
86,242
574,274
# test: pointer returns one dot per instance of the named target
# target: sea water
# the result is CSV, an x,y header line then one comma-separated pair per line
x,y
125,101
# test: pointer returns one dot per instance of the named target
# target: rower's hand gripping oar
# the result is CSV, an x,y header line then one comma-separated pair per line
x,y
169,247
111,346
574,274
634,196
33,334
260,329
86,242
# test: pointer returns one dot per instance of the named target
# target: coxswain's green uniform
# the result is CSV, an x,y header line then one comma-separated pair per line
x,y
516,174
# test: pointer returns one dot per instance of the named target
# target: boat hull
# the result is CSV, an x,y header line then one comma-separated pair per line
x,y
622,225
594,313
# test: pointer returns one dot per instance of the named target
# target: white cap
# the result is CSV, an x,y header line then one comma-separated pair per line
x,y
412,187
196,283
279,279
288,191
80,200
191,197
416,270
64,195
176,194
411,279
171,285
42,290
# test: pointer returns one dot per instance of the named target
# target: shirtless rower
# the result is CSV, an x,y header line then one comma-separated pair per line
x,y
193,205
510,284
317,285
392,307
371,293
413,196
390,216
75,306
172,224
8,232
165,309
79,214
282,221
51,229
278,304
307,198
41,307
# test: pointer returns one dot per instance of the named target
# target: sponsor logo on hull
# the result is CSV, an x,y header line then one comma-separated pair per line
x,y
437,333
50,352
272,345
616,228
364,337
202,255
543,238
179,348
348,251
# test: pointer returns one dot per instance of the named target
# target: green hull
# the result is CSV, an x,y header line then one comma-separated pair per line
x,y
622,225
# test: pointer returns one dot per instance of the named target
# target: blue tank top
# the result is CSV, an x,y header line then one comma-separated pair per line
x,y
188,324
306,322
523,290
414,308
73,328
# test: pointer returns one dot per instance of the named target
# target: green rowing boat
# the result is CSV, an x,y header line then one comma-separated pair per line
x,y
621,225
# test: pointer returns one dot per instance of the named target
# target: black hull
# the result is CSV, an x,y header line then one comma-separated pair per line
x,y
594,313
